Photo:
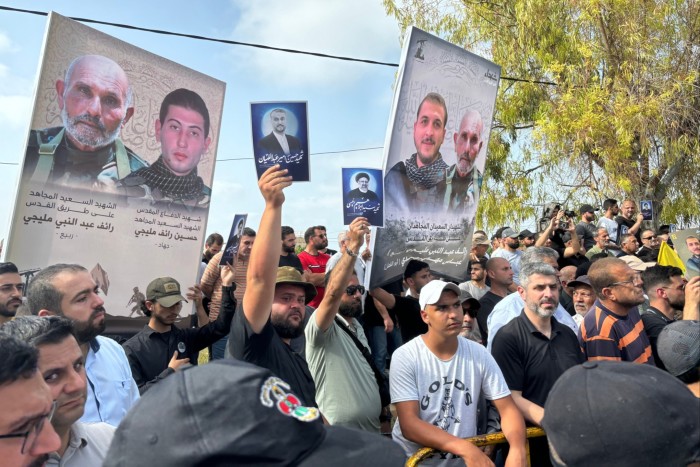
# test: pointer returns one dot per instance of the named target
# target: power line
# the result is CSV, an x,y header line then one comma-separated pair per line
x,y
251,158
246,44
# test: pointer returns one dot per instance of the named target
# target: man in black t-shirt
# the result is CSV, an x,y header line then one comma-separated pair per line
x,y
287,255
416,274
501,275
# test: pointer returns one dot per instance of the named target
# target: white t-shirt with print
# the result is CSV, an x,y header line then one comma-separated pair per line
x,y
447,391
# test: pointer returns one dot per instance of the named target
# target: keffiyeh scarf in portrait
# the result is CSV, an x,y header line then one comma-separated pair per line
x,y
158,176
427,176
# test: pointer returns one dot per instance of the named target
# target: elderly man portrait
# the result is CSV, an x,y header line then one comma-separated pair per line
x,y
95,101
462,184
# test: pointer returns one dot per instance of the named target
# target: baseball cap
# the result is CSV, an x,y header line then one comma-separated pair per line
x,y
430,293
165,291
480,239
678,346
526,234
509,233
636,263
467,297
264,423
621,414
580,280
586,208
289,275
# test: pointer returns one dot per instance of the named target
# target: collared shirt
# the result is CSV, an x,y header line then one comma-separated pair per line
x,y
346,388
510,307
111,390
607,336
87,446
282,139
149,352
655,322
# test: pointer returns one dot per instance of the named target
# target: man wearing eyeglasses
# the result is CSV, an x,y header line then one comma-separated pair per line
x,y
613,330
11,288
61,364
25,406
346,388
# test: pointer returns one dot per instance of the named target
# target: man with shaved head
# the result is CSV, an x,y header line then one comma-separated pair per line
x,y
462,190
500,273
95,101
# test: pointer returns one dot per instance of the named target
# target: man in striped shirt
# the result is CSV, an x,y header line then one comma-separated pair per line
x,y
613,329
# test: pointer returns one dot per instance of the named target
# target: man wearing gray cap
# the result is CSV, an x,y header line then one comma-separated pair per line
x,y
679,350
161,348
510,251
437,379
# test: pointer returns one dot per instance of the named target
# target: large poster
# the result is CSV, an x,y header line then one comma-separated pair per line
x,y
119,164
435,154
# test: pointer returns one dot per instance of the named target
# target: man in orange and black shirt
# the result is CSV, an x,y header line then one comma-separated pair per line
x,y
613,330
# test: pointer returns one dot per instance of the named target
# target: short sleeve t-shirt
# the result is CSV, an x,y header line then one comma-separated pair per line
x,y
407,310
447,391
267,350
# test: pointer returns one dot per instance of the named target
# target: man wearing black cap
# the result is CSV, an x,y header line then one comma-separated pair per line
x,y
611,414
583,296
161,348
436,381
273,308
586,229
417,274
527,238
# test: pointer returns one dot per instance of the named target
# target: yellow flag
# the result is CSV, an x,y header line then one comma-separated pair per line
x,y
669,257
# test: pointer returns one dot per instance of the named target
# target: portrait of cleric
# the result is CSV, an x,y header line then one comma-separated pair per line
x,y
278,142
418,183
361,200
182,129
95,101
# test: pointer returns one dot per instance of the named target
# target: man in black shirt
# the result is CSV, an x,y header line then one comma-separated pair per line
x,y
161,348
534,349
407,309
665,287
287,255
501,276
273,307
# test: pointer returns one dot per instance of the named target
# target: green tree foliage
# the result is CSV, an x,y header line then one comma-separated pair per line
x,y
621,121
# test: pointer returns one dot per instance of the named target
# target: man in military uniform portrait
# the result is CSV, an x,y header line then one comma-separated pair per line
x,y
95,101
183,132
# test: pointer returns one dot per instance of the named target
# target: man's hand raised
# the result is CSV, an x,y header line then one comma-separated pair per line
x,y
357,230
272,183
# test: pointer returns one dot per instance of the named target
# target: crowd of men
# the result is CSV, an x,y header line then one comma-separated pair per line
x,y
575,329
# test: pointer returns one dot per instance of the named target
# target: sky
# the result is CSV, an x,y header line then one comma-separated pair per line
x,y
348,102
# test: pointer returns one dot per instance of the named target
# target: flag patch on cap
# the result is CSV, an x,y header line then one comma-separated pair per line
x,y
275,392
171,287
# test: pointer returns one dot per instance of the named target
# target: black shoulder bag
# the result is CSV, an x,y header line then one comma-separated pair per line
x,y
382,382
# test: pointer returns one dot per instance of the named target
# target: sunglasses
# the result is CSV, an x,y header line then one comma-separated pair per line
x,y
353,289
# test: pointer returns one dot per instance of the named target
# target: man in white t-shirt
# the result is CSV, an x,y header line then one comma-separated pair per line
x,y
607,220
436,380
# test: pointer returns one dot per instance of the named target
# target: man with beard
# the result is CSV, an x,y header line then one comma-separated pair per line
x,y
272,312
182,129
613,330
463,178
161,348
501,278
586,229
95,100
583,296
626,224
534,349
476,287
211,284
213,245
69,290
61,363
510,250
666,289
470,327
693,263
314,261
607,220
11,288
649,252
287,255
25,405
346,388
418,183
278,142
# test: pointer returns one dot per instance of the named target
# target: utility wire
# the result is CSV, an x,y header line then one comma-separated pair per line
x,y
246,44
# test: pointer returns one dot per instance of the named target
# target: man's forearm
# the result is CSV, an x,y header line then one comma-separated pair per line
x,y
318,279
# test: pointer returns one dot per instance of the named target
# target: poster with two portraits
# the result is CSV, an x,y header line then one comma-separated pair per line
x,y
110,180
434,158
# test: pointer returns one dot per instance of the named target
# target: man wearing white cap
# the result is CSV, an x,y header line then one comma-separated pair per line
x,y
436,380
